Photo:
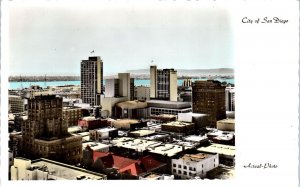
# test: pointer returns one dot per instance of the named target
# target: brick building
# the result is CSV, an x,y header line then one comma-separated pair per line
x,y
209,98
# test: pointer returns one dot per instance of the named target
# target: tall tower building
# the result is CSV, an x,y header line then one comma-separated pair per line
x,y
163,84
208,97
45,133
92,80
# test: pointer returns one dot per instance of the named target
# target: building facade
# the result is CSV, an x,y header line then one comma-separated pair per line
x,y
92,80
142,93
208,97
163,84
45,133
158,107
16,104
111,87
194,165
71,115
126,86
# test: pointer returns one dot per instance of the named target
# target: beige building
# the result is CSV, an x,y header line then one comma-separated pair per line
x,y
226,125
142,93
44,169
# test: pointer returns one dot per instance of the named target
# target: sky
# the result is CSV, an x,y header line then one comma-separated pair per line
x,y
53,39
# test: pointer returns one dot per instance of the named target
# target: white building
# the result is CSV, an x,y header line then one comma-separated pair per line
x,y
192,165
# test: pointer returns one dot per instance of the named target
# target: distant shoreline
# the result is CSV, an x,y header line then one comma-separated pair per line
x,y
77,78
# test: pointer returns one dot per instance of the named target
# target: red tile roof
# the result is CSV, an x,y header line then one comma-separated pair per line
x,y
122,164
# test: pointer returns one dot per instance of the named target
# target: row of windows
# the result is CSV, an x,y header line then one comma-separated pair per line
x,y
185,167
184,172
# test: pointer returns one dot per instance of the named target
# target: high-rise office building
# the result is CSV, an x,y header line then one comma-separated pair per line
x,y
92,80
163,84
45,133
208,97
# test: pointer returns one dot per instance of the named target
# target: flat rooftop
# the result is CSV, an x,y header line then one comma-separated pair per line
x,y
195,138
142,132
65,171
168,149
105,129
219,148
125,121
152,146
89,118
74,129
229,120
196,157
178,124
94,145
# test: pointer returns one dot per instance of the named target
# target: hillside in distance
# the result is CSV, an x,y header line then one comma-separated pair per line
x,y
226,72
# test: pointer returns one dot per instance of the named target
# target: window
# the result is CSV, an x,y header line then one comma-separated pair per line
x,y
179,171
174,170
179,166
184,173
202,165
174,165
184,167
190,168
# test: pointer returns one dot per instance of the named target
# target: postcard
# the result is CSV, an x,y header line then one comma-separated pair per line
x,y
186,92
